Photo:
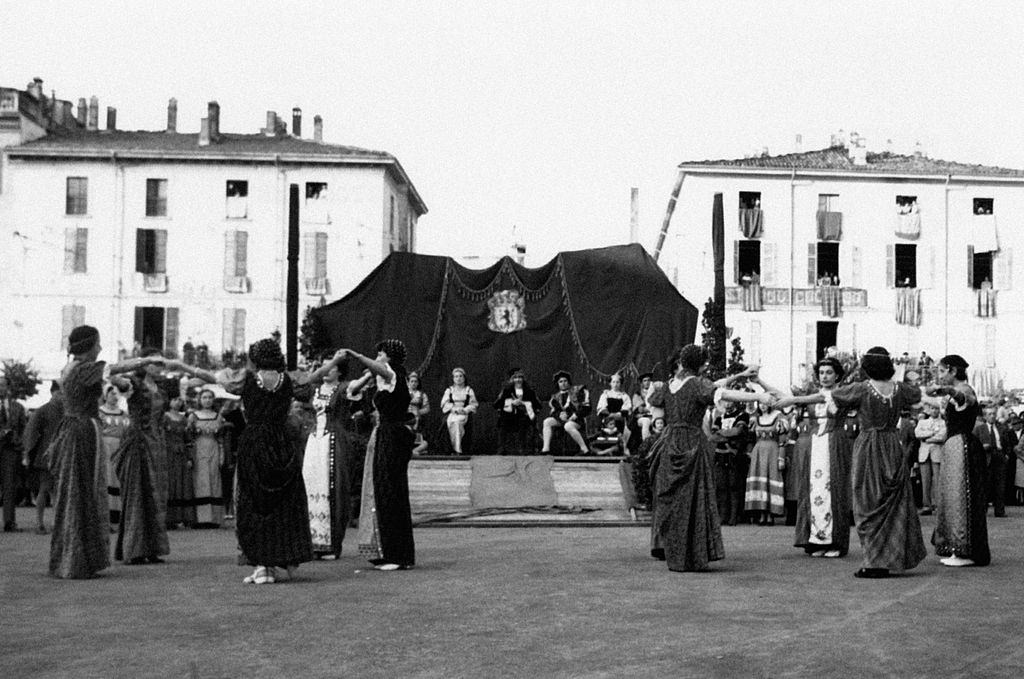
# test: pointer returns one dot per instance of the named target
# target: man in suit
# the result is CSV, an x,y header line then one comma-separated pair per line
x,y
569,407
12,426
996,441
40,430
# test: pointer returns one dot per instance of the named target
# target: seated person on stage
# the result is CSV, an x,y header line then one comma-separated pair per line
x,y
419,406
457,404
613,406
569,406
642,412
642,465
517,407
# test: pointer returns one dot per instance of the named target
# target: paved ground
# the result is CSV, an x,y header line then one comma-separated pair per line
x,y
503,602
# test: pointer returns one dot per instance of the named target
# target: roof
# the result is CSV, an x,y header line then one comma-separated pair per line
x,y
175,146
837,159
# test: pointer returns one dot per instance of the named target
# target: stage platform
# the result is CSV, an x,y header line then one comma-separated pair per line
x,y
592,491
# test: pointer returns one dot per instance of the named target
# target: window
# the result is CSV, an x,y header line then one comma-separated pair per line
x,y
75,250
748,259
76,196
828,202
234,330
151,251
157,327
979,268
8,102
750,200
823,264
156,197
905,203
905,265
236,247
829,218
314,246
237,196
982,206
316,209
72,316
826,338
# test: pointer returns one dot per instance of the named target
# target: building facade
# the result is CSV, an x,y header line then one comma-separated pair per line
x,y
848,249
162,238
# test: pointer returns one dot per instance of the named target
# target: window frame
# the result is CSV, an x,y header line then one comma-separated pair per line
x,y
71,200
156,205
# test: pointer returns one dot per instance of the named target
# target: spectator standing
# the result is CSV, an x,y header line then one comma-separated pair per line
x,y
931,432
996,442
40,430
12,430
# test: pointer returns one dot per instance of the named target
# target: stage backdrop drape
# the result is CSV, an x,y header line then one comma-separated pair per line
x,y
591,312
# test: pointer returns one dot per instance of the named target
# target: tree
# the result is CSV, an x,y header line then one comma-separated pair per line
x,y
713,338
314,343
22,379
736,364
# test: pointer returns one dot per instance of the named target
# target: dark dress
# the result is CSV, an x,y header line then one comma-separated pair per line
x,y
142,532
385,521
685,529
180,504
80,543
517,432
824,500
960,525
272,522
883,498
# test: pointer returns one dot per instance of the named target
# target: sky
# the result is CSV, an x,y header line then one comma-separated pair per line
x,y
541,116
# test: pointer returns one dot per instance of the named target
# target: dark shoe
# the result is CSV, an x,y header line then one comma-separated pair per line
x,y
658,554
926,511
872,573
154,559
137,561
1000,515
11,528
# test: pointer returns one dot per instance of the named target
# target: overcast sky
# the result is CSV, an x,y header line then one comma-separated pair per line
x,y
542,115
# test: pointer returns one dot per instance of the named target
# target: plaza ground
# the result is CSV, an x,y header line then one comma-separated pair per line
x,y
510,602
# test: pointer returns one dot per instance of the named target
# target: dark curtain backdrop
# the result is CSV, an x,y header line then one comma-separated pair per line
x,y
591,312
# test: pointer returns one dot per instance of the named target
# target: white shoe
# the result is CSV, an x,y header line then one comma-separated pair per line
x,y
957,561
387,567
831,554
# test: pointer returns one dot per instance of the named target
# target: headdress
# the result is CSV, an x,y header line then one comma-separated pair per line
x,y
266,355
82,339
395,350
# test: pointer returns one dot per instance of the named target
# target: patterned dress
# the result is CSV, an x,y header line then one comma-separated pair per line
x,y
765,488
79,547
180,507
823,505
112,428
883,499
960,525
326,470
685,529
141,466
206,478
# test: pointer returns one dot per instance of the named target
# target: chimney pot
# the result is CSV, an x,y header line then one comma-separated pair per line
x,y
764,151
318,129
798,146
280,127
271,129
172,115
111,119
94,113
297,121
35,88
213,117
68,114
82,112
204,132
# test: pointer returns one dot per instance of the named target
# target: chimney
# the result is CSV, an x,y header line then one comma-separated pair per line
x,y
859,152
172,115
918,149
67,114
271,129
213,118
297,121
94,113
204,132
318,129
764,152
280,126
111,119
798,146
888,145
82,112
35,88
58,111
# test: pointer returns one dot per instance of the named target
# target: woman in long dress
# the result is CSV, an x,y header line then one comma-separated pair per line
x,y
883,499
685,529
458,403
180,506
385,520
79,547
141,466
961,532
114,422
764,494
271,516
326,466
823,489
517,407
207,428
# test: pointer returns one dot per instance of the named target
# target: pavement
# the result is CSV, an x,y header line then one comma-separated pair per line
x,y
534,602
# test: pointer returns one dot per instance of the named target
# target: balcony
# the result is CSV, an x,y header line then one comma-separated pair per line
x,y
806,298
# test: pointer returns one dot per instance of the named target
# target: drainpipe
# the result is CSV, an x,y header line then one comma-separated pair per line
x,y
945,278
792,265
118,278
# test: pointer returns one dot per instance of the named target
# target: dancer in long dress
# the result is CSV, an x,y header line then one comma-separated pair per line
x,y
207,428
883,499
114,422
685,529
327,464
272,520
385,519
961,532
764,495
79,547
180,506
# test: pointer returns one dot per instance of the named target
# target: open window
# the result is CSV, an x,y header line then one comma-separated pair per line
x,y
979,268
823,263
157,326
751,216
904,265
237,195
750,200
982,206
156,197
316,206
747,265
905,204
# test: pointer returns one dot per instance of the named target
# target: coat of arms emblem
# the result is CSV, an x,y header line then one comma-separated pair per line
x,y
508,312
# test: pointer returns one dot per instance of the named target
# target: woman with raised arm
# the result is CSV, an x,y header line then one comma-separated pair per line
x,y
883,500
385,518
685,528
961,533
80,547
271,516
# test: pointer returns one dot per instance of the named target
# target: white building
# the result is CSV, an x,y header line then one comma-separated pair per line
x,y
158,238
910,246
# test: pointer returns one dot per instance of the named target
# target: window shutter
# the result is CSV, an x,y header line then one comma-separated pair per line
x,y
1002,269
321,254
926,266
66,325
754,344
811,346
890,266
846,336
239,324
139,319
230,254
241,253
70,242
768,264
855,266
970,266
736,261
81,250
812,264
171,330
990,346
78,316
228,335
161,251
140,250
309,255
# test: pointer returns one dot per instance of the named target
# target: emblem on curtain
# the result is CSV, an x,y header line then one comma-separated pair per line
x,y
508,312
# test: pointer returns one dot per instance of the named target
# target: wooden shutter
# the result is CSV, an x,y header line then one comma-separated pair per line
x,y
855,267
81,250
140,250
890,266
309,255
846,336
970,267
230,254
925,266
321,254
239,324
990,346
811,346
754,344
66,325
768,264
70,243
1002,269
812,264
139,319
171,331
241,253
736,261
228,333
160,235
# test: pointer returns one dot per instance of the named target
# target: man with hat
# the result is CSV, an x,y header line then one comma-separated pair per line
x,y
568,408
642,412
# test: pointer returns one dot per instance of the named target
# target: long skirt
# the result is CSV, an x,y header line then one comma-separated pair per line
x,y
108,448
764,491
685,528
325,471
385,519
142,532
883,502
823,509
80,544
960,525
206,481
180,507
